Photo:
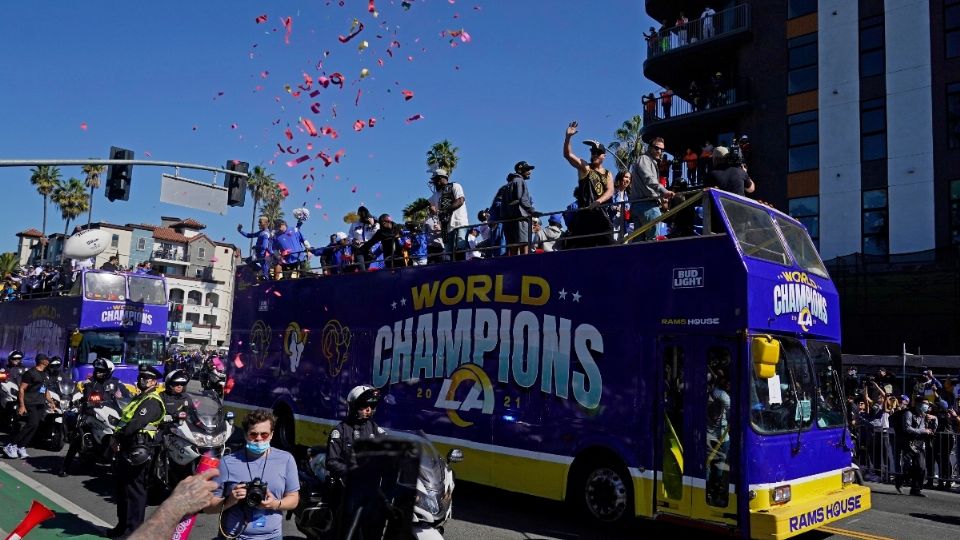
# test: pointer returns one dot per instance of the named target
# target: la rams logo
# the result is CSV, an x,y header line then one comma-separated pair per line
x,y
480,396
259,342
336,346
294,341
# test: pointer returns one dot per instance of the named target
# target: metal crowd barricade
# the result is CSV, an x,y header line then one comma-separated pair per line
x,y
877,454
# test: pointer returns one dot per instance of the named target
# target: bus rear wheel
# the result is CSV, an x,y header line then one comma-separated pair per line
x,y
604,491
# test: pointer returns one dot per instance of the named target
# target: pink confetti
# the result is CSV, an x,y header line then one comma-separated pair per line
x,y
351,35
264,74
354,189
261,18
315,108
309,187
380,61
307,123
233,126
465,37
326,159
371,122
414,118
371,8
315,93
283,187
288,134
288,24
317,206
337,79
277,293
237,361
407,95
340,153
293,163
309,146
147,154
83,126
358,125
327,130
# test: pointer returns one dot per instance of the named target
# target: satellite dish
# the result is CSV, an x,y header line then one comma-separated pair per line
x,y
87,243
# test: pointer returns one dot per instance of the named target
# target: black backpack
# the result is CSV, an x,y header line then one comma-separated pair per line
x,y
499,200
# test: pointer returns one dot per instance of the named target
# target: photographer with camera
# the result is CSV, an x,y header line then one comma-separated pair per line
x,y
260,483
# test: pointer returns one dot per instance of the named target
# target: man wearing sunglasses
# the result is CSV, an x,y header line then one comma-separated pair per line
x,y
241,515
646,190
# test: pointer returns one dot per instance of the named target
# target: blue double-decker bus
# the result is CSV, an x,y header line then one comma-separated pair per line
x,y
692,378
118,316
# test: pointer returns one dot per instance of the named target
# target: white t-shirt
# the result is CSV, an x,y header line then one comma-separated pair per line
x,y
459,217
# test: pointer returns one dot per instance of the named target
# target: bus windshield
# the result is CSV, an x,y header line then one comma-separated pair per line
x,y
826,361
783,403
103,286
755,231
121,348
147,290
802,247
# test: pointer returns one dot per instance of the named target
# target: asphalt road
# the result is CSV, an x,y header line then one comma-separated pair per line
x,y
479,512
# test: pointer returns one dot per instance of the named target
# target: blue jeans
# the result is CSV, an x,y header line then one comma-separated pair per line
x,y
644,212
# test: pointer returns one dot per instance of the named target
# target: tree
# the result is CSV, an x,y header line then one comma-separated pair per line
x,y
628,147
45,178
260,184
72,200
272,208
417,211
9,263
92,181
443,155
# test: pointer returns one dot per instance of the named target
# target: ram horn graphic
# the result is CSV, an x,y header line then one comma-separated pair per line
x,y
259,342
336,346
294,341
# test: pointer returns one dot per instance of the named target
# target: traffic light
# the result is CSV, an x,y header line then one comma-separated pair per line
x,y
236,185
119,176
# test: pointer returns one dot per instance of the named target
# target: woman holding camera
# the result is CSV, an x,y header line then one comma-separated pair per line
x,y
260,484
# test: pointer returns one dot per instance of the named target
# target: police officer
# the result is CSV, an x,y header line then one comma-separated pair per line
x,y
104,384
913,451
174,399
138,425
15,366
33,400
362,404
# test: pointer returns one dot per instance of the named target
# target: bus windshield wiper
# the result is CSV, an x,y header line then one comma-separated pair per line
x,y
796,393
843,399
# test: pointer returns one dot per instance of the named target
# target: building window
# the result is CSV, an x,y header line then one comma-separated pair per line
x,y
804,153
872,58
199,272
141,244
213,299
201,253
873,129
798,8
802,64
955,212
806,210
194,298
210,320
952,28
193,318
953,115
115,240
875,238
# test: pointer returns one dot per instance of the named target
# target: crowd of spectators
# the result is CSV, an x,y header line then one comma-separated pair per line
x,y
54,280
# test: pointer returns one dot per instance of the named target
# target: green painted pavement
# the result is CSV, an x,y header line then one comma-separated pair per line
x,y
15,500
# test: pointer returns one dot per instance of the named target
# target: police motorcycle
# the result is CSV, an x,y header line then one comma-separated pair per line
x,y
204,427
52,432
321,498
95,422
10,392
213,375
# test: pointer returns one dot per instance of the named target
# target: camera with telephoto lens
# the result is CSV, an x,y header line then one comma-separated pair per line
x,y
256,492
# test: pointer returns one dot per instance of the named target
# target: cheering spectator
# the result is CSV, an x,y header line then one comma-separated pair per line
x,y
594,188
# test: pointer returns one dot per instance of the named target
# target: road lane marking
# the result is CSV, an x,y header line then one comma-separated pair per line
x,y
853,534
53,496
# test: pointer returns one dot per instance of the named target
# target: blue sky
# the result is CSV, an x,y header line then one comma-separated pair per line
x,y
147,76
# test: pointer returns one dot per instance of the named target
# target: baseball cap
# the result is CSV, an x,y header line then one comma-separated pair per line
x,y
522,166
438,172
596,147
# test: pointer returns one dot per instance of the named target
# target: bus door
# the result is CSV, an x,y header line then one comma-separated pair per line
x,y
695,428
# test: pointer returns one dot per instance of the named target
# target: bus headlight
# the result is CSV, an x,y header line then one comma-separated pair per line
x,y
849,476
780,494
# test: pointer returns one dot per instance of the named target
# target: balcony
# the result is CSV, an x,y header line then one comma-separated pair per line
x,y
170,256
700,31
690,120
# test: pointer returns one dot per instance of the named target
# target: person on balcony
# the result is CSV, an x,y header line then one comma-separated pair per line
x,y
666,101
681,25
706,21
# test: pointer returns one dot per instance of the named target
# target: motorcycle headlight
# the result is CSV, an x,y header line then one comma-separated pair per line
x,y
210,440
428,501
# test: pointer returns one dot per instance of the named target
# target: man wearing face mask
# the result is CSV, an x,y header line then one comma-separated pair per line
x,y
131,443
912,454
257,484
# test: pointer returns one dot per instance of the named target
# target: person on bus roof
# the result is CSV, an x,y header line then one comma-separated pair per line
x,y
261,249
362,404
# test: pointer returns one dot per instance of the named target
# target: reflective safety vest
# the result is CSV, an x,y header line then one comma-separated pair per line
x,y
127,414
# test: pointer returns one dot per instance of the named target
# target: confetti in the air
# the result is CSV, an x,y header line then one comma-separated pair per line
x,y
414,118
288,24
407,95
83,126
358,125
292,163
261,18
283,188
355,29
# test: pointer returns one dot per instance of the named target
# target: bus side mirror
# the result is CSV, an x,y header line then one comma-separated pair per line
x,y
765,352
230,416
75,339
455,456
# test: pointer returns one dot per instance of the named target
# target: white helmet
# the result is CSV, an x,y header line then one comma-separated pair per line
x,y
363,396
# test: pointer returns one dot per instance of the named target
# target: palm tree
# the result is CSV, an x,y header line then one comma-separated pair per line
x,y
45,178
444,155
9,263
628,147
417,211
92,181
272,209
72,200
259,184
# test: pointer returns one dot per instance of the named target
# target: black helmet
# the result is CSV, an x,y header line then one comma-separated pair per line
x,y
137,455
148,372
102,365
15,354
55,363
175,377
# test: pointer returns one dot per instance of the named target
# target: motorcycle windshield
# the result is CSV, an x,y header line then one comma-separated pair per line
x,y
206,409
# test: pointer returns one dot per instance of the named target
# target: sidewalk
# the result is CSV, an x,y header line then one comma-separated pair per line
x,y
16,496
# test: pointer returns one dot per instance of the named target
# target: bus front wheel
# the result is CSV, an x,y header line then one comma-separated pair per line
x,y
604,490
